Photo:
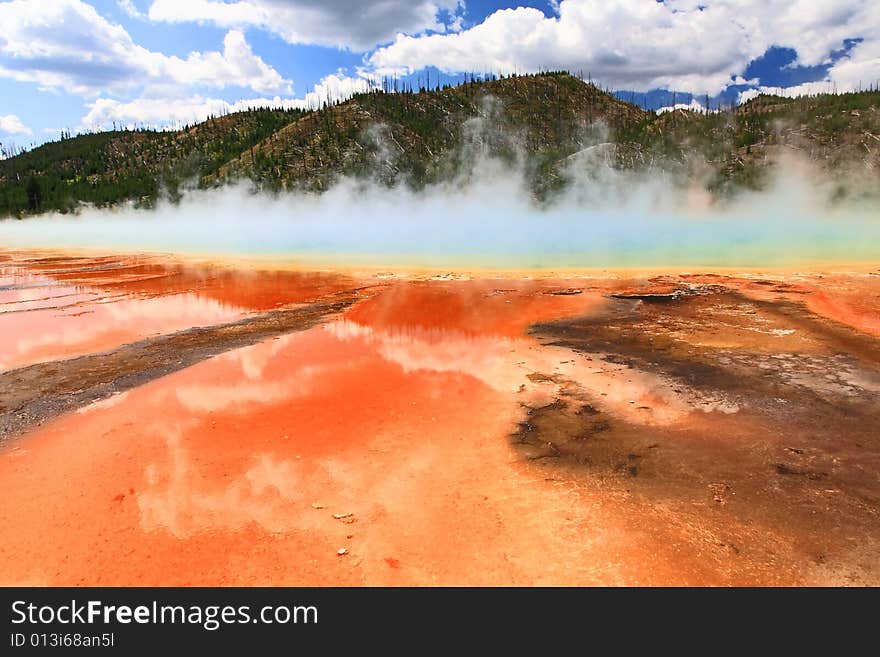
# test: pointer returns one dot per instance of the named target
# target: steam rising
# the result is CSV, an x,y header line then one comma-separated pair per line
x,y
605,219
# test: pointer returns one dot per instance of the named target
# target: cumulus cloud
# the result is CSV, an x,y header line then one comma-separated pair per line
x,y
695,46
172,112
693,106
12,125
859,69
128,7
353,24
66,44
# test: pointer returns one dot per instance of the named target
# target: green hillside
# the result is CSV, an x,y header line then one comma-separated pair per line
x,y
110,167
543,123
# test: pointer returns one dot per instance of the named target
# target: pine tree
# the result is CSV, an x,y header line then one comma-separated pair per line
x,y
34,194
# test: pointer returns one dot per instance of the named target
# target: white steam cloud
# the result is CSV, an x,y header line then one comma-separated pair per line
x,y
487,218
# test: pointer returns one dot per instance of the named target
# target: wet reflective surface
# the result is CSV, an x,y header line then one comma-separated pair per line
x,y
54,307
507,431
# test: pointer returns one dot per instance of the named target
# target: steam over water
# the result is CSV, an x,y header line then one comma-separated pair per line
x,y
489,220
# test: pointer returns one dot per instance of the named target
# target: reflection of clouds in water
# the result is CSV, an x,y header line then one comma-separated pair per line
x,y
34,298
503,364
254,359
22,277
239,393
185,308
181,497
194,491
345,329
55,334
437,350
206,398
269,474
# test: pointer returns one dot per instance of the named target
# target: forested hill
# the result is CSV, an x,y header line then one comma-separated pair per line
x,y
543,122
110,167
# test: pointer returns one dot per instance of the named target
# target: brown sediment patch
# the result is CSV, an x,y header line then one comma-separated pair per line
x,y
662,293
31,395
566,292
850,299
794,459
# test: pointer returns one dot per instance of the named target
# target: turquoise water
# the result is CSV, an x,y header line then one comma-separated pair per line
x,y
492,228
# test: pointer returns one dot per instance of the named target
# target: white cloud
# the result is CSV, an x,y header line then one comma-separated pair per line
x,y
859,69
354,24
66,44
128,7
693,106
12,125
696,46
175,112
806,89
236,65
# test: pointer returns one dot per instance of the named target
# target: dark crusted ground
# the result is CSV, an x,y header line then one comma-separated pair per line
x,y
797,454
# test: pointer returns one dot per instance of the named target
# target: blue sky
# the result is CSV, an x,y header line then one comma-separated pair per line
x,y
89,64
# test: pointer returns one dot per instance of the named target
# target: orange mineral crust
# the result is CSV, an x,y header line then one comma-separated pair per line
x,y
232,472
847,303
54,308
670,430
498,308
